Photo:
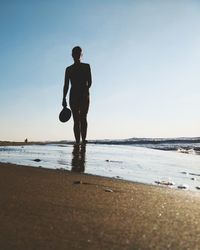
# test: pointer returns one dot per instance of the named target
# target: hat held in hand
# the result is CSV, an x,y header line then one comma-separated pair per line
x,y
65,114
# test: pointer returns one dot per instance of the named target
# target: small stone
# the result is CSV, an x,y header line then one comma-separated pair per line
x,y
193,179
166,183
183,172
78,182
108,190
194,174
37,160
183,186
198,187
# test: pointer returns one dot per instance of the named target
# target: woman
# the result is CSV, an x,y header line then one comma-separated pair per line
x,y
79,75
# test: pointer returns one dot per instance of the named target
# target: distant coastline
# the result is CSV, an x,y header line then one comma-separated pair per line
x,y
133,140
156,143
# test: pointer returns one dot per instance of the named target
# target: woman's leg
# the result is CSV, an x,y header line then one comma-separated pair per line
x,y
74,105
76,117
83,127
83,116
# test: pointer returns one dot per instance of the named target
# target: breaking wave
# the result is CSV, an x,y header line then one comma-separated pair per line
x,y
182,145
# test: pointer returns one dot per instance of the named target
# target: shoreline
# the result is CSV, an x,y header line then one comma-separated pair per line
x,y
55,209
105,178
136,164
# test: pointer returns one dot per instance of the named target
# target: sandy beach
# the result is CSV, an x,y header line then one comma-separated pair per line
x,y
54,209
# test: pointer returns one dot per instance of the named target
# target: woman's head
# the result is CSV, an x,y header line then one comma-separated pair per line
x,y
76,53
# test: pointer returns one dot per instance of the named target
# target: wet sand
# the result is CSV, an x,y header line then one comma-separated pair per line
x,y
54,209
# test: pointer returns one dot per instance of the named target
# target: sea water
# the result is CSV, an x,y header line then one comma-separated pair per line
x,y
178,168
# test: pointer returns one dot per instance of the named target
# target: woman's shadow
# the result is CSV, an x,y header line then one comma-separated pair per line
x,y
78,158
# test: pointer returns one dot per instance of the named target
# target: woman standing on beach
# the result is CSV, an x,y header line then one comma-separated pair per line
x,y
79,74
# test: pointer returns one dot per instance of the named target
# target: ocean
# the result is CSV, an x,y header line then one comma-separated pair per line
x,y
171,162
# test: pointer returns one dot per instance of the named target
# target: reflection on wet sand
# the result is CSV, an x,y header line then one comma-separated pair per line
x,y
78,158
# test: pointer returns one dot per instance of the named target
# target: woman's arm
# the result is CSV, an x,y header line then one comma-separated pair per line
x,y
89,77
65,88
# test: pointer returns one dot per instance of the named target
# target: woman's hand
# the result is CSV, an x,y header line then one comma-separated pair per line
x,y
64,103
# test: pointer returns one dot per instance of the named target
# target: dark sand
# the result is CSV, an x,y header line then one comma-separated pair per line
x,y
51,209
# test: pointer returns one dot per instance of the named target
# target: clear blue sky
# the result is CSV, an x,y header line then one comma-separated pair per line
x,y
145,60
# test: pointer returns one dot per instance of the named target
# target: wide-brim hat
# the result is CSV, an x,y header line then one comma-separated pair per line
x,y
65,114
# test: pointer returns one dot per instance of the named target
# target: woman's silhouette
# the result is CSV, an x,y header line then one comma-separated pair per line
x,y
79,74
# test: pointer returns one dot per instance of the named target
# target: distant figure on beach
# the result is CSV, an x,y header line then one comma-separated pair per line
x,y
79,75
26,140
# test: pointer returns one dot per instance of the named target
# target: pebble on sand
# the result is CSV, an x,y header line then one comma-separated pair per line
x,y
166,183
183,186
78,182
108,190
37,160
